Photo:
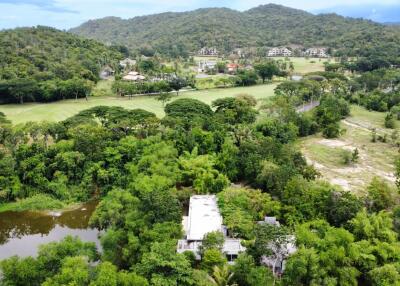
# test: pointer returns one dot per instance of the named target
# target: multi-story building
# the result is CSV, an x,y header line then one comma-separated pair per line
x,y
316,52
280,52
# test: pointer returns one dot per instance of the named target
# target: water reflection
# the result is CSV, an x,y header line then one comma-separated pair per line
x,y
22,232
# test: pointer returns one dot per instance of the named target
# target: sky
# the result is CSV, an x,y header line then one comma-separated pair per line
x,y
65,14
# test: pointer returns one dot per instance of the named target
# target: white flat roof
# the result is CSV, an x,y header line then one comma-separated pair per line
x,y
204,217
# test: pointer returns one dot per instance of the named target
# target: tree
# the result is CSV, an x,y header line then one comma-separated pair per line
x,y
163,266
246,78
211,258
177,83
397,173
20,271
164,97
380,196
19,89
385,275
377,226
273,242
235,111
302,268
221,276
188,108
267,70
343,206
211,240
74,271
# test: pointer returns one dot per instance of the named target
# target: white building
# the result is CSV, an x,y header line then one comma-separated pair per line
x,y
316,52
280,52
208,52
204,217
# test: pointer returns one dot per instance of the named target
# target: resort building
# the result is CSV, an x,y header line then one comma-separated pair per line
x,y
280,52
134,76
316,52
208,52
204,217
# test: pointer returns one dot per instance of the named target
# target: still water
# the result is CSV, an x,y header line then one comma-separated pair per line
x,y
22,232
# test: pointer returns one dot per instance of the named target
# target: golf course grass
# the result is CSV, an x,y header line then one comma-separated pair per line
x,y
60,110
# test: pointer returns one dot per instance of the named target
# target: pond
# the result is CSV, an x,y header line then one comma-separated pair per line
x,y
22,232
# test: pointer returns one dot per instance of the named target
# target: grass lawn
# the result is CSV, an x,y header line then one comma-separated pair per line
x,y
303,65
61,110
376,159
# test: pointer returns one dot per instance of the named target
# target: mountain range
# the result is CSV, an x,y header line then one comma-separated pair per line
x,y
268,25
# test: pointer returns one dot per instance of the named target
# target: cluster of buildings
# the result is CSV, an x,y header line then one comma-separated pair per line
x,y
285,52
204,217
208,52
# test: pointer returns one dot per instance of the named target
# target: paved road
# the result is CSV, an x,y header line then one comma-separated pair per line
x,y
307,107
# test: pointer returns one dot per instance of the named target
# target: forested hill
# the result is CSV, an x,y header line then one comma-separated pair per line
x,y
268,25
37,60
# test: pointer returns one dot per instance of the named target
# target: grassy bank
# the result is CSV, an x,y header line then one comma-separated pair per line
x,y
61,110
36,203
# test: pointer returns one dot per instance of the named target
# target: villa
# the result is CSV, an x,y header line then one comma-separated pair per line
x,y
316,52
204,217
280,52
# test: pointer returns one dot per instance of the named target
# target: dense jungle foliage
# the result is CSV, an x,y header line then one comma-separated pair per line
x,y
177,34
44,64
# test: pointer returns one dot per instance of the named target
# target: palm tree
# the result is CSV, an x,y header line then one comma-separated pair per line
x,y
221,276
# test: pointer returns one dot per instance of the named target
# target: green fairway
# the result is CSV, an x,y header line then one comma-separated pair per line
x,y
304,65
61,110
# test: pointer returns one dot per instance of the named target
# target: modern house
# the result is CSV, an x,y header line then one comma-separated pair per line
x,y
280,52
134,76
127,63
204,217
208,52
277,260
316,52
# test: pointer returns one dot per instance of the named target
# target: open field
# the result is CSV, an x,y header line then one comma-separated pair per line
x,y
376,159
303,65
61,110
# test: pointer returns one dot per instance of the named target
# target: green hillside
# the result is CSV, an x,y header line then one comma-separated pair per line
x,y
36,62
226,29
